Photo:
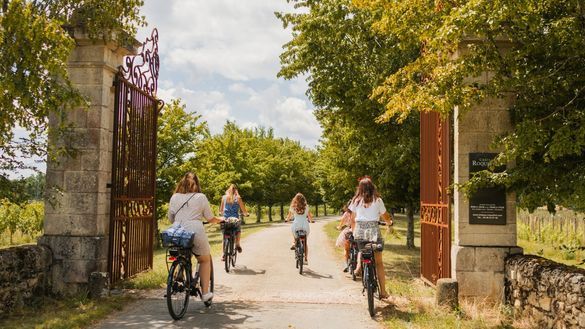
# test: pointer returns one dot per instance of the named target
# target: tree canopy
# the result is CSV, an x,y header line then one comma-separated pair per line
x,y
534,53
35,45
345,59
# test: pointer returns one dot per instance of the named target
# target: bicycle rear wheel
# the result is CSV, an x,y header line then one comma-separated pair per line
x,y
301,254
370,289
178,289
226,253
234,253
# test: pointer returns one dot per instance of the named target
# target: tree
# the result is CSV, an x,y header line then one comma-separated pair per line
x,y
345,59
35,44
179,138
542,72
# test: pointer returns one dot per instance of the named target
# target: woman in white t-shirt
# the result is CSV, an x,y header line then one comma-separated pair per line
x,y
366,209
188,207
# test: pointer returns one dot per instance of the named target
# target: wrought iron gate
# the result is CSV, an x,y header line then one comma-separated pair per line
x,y
435,213
132,212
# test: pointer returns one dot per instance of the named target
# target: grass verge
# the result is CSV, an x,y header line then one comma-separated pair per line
x,y
412,302
76,312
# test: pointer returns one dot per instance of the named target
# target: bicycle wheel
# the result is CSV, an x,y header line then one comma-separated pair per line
x,y
226,253
370,291
178,289
301,256
233,252
211,283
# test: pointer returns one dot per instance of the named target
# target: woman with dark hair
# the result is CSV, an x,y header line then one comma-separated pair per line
x,y
301,216
189,207
366,209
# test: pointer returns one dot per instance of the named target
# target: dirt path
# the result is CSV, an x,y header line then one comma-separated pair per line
x,y
266,291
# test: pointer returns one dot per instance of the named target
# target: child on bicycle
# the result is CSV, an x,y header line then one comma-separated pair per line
x,y
301,216
346,224
230,206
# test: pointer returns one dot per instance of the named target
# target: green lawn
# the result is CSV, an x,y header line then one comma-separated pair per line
x,y
412,302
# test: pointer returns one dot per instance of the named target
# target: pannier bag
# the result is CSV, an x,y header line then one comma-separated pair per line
x,y
177,236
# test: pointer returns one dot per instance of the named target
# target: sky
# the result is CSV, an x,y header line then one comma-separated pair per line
x,y
221,57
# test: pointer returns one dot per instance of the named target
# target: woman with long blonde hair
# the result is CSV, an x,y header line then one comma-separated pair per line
x,y
230,206
301,216
189,207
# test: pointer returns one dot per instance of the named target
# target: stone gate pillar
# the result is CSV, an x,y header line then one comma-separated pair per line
x,y
485,225
76,226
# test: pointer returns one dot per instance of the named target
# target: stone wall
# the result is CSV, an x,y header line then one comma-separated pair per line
x,y
549,294
24,273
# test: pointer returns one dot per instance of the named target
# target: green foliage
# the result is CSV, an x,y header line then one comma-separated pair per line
x,y
534,51
26,219
35,44
345,59
179,138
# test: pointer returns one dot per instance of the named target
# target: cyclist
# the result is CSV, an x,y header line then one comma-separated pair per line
x,y
366,209
230,206
188,207
301,216
345,221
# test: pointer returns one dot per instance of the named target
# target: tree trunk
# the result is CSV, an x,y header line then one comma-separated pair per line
x,y
317,210
325,208
281,211
242,218
410,230
270,213
258,213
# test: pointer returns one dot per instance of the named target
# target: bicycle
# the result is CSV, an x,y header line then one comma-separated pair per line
x,y
180,284
369,275
230,254
300,245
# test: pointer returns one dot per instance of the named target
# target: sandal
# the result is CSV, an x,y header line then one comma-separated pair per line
x,y
239,249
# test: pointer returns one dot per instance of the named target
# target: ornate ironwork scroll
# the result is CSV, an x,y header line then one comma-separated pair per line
x,y
132,212
435,178
142,70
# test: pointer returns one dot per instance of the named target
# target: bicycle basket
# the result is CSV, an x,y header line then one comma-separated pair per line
x,y
177,236
231,223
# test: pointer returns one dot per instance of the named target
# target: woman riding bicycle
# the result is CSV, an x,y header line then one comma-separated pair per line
x,y
230,206
299,211
188,207
367,207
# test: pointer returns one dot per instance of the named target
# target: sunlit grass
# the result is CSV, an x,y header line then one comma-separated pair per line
x,y
75,312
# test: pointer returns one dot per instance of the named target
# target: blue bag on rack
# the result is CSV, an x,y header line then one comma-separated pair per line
x,y
177,236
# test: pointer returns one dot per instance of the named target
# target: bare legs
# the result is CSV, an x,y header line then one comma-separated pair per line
x,y
380,273
204,272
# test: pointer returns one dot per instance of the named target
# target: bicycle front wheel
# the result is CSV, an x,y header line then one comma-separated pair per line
x,y
234,253
226,253
178,289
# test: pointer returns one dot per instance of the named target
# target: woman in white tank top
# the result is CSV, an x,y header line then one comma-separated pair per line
x,y
301,216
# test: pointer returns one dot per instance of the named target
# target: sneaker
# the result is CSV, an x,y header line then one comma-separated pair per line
x,y
223,258
239,249
292,247
207,297
346,269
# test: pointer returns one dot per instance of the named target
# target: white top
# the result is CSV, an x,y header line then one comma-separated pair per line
x,y
370,213
196,209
